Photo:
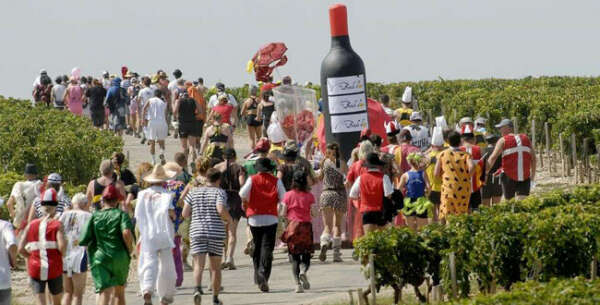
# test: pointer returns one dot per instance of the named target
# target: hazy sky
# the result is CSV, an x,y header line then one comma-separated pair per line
x,y
398,40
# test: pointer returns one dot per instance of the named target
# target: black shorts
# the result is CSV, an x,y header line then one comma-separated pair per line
x,y
475,200
373,218
491,190
190,129
55,285
97,118
435,197
511,187
251,121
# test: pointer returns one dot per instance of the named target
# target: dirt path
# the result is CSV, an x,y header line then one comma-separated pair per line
x,y
330,282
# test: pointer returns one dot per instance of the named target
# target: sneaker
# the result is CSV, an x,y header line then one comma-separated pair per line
x,y
264,287
299,288
304,281
197,298
225,265
323,253
217,302
143,141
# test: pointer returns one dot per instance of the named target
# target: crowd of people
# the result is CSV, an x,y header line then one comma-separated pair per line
x,y
293,195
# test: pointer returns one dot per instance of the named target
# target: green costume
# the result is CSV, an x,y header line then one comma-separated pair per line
x,y
109,258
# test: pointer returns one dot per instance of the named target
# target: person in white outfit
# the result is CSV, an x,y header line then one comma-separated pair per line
x,y
155,120
75,263
155,214
8,260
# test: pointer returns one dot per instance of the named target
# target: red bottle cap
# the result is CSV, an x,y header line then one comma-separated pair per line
x,y
338,20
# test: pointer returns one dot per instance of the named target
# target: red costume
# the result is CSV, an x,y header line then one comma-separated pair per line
x,y
45,261
516,157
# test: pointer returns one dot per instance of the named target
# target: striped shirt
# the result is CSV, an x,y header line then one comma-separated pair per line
x,y
206,222
64,203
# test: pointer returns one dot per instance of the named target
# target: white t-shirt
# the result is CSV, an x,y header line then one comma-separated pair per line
x,y
24,193
172,85
58,92
152,215
7,239
420,136
212,102
144,95
73,222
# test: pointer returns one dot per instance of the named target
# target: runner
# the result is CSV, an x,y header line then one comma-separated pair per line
x,y
333,202
96,187
21,197
518,161
353,217
233,177
176,187
75,261
454,166
134,106
225,110
53,181
437,145
154,209
206,205
8,260
415,185
403,113
74,97
217,135
297,207
385,103
260,195
406,147
468,139
491,191
109,240
59,92
43,244
370,188
265,110
96,95
115,100
145,94
215,98
42,92
190,130
250,111
155,120
418,132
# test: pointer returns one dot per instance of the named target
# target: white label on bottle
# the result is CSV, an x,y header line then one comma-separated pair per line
x,y
349,122
347,103
345,85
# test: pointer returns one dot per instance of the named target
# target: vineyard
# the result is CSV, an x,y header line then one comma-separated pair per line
x,y
56,141
555,235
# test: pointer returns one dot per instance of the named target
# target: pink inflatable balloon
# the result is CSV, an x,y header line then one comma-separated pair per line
x,y
76,73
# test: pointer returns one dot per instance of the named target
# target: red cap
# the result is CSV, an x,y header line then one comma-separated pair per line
x,y
263,145
111,193
338,20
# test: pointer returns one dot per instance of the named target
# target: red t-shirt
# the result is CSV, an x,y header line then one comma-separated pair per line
x,y
225,111
355,170
298,205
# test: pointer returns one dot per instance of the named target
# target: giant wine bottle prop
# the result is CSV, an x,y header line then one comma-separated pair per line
x,y
343,86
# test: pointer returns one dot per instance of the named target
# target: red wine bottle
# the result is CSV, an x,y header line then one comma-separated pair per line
x,y
343,86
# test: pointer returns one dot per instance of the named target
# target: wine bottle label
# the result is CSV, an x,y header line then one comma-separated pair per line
x,y
346,85
347,103
349,122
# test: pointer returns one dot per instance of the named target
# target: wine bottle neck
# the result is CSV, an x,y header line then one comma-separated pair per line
x,y
341,42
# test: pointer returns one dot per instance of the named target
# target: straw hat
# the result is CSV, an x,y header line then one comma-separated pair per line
x,y
172,167
159,174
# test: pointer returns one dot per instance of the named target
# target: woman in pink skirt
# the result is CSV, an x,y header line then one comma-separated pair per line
x,y
74,97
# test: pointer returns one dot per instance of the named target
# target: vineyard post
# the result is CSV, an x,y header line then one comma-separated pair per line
x,y
562,154
533,138
454,116
574,155
430,118
587,173
436,293
548,153
594,268
453,275
515,124
372,278
598,163
351,297
360,296
541,153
